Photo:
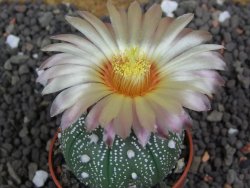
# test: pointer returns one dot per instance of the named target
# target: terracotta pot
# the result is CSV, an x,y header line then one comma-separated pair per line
x,y
179,184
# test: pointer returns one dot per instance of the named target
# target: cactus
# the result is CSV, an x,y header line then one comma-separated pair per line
x,y
125,164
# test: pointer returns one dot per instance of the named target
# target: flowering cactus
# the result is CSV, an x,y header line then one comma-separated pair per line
x,y
132,79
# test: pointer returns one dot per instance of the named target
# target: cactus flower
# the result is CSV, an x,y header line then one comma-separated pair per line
x,y
138,73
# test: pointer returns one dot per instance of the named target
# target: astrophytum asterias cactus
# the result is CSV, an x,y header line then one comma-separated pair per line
x,y
125,164
133,79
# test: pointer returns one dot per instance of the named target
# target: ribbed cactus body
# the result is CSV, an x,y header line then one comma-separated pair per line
x,y
125,164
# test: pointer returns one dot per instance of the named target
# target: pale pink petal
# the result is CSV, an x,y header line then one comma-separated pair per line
x,y
150,22
123,121
53,60
183,43
120,27
89,31
205,60
134,22
67,60
141,133
166,121
66,48
145,114
172,31
169,104
109,134
177,86
69,80
111,108
72,114
213,76
100,28
92,119
82,43
161,29
70,96
193,75
61,70
196,51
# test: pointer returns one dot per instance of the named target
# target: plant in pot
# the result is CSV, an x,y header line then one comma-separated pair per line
x,y
123,90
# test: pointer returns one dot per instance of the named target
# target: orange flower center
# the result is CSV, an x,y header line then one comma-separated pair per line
x,y
130,73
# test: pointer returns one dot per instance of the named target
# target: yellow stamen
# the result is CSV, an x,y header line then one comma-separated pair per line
x,y
130,73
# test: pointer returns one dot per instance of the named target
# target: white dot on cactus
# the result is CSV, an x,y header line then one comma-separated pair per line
x,y
171,144
84,175
130,154
59,135
134,176
93,138
85,158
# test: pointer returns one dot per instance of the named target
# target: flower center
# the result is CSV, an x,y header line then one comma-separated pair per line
x,y
130,73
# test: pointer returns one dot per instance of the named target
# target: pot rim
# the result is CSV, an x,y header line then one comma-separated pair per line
x,y
180,182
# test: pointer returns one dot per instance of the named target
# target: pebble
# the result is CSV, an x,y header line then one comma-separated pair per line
x,y
231,176
205,157
195,164
23,69
224,16
32,170
13,174
232,131
168,7
19,59
230,151
180,166
7,65
40,178
24,131
45,19
215,116
220,2
12,41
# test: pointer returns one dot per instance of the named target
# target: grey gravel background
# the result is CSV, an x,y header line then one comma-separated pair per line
x,y
26,127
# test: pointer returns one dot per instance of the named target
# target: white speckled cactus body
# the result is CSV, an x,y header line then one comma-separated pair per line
x,y
125,164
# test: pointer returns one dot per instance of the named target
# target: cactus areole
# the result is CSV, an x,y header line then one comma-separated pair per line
x,y
126,164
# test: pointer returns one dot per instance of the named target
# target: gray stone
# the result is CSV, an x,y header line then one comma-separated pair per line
x,y
19,59
243,56
230,46
189,5
215,116
230,151
32,170
234,21
23,69
24,132
231,176
7,65
12,174
14,79
244,80
45,19
231,83
9,28
195,164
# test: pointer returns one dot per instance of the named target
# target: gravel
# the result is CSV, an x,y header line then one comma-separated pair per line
x,y
26,127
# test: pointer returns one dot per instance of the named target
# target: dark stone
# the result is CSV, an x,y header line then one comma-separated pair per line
x,y
35,155
45,19
23,69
